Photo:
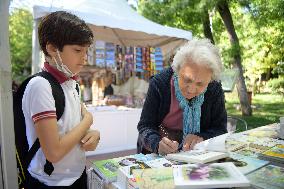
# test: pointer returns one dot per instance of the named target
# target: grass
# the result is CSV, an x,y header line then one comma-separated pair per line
x,y
267,109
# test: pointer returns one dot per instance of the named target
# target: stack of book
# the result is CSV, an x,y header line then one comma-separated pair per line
x,y
107,169
152,61
211,164
270,176
265,131
138,60
245,164
158,178
158,59
233,145
274,154
110,55
100,54
129,62
125,178
215,175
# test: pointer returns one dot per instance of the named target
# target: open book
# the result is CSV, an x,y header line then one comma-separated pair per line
x,y
203,152
197,156
216,175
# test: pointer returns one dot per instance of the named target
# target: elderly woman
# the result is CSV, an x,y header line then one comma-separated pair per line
x,y
185,103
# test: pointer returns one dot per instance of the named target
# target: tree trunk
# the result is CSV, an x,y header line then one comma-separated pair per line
x,y
206,25
224,11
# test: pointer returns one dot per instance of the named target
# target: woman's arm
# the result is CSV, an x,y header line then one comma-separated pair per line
x,y
149,136
217,123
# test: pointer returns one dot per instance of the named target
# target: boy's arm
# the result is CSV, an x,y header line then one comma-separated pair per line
x,y
90,140
55,146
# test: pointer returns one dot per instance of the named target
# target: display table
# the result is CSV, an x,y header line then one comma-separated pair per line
x,y
118,129
258,138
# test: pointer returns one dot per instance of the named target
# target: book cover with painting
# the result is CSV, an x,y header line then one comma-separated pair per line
x,y
157,163
275,153
197,156
250,151
125,174
110,55
108,168
215,175
100,53
244,163
270,176
264,131
234,145
158,178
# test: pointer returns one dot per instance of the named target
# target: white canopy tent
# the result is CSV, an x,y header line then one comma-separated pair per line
x,y
115,21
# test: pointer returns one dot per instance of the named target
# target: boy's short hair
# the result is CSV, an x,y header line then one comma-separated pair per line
x,y
62,28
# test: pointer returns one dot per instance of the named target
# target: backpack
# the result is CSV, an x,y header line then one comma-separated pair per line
x,y
23,154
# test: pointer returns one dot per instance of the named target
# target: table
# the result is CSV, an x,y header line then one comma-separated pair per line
x,y
118,129
267,133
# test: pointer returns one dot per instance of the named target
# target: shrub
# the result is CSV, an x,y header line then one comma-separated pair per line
x,y
276,85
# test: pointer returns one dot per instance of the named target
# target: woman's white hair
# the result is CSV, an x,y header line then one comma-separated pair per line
x,y
200,52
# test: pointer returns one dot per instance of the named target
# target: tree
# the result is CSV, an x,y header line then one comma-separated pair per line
x,y
223,9
206,24
184,14
20,32
268,17
193,17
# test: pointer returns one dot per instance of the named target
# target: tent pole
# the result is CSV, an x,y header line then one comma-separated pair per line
x,y
36,58
8,168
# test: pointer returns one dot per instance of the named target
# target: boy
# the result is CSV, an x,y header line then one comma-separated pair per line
x,y
64,39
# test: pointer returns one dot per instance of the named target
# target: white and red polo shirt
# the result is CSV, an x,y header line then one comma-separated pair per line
x,y
38,103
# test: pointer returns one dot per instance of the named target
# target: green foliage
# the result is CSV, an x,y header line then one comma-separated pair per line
x,y
184,14
266,27
276,85
20,33
279,69
259,25
268,109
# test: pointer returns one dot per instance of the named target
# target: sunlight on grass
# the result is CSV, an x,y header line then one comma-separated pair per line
x,y
267,108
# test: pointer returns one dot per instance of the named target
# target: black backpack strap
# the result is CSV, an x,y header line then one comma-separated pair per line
x,y
59,98
77,88
57,93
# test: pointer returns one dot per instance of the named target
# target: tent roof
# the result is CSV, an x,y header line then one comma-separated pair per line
x,y
115,21
114,14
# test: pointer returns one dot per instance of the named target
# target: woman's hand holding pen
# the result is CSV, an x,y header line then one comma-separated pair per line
x,y
167,146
